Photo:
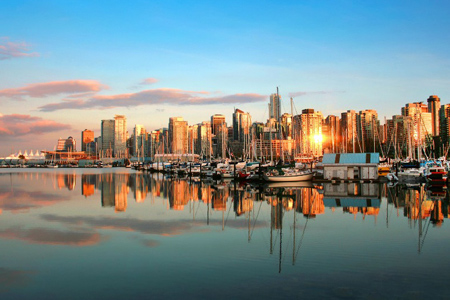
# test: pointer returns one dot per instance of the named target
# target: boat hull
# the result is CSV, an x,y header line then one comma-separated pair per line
x,y
289,178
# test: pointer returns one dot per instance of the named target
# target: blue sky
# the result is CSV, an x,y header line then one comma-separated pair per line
x,y
207,57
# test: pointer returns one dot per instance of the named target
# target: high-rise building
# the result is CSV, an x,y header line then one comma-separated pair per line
x,y
332,137
444,121
236,126
220,135
217,121
434,104
139,138
367,124
192,139
420,126
286,126
120,136
309,128
87,137
107,135
275,107
204,141
242,124
178,135
348,131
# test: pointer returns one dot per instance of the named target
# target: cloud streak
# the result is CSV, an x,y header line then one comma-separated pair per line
x,y
51,236
152,97
19,125
39,90
20,200
164,228
9,50
148,81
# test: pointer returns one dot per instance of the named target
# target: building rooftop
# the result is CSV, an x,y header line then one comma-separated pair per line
x,y
351,158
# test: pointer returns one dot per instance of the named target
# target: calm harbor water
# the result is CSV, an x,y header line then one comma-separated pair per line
x,y
118,234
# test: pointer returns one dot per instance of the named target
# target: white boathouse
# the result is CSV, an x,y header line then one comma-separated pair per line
x,y
350,166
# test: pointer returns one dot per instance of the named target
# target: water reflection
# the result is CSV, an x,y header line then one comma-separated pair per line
x,y
305,198
310,233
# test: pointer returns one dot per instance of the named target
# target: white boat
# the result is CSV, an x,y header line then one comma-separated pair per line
x,y
306,175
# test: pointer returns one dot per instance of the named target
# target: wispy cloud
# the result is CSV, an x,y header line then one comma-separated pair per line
x,y
18,125
148,81
165,228
38,90
10,50
22,201
152,97
299,94
51,236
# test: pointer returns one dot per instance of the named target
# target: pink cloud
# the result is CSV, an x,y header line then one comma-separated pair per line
x,y
53,88
18,125
152,97
148,81
21,200
10,50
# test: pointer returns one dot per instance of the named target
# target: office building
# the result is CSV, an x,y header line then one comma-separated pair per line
x,y
434,105
120,136
107,138
178,135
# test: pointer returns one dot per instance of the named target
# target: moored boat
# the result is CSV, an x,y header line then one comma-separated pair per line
x,y
286,176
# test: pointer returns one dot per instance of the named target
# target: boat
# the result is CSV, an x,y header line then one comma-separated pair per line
x,y
291,175
412,174
384,169
436,175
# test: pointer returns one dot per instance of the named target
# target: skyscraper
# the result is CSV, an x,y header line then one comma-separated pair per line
x,y
367,128
107,135
332,139
217,122
220,135
236,118
87,137
178,135
120,136
242,124
348,131
434,104
309,126
204,134
139,137
275,107
421,123
444,122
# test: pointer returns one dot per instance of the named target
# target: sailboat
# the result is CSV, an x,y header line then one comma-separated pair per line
x,y
286,175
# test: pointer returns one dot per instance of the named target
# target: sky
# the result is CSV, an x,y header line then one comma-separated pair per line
x,y
67,65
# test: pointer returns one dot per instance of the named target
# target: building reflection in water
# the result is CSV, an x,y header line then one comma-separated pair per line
x,y
413,202
66,181
354,198
419,203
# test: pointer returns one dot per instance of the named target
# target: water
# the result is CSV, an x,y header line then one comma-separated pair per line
x,y
117,234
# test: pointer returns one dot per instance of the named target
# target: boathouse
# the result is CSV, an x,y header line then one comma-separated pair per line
x,y
350,166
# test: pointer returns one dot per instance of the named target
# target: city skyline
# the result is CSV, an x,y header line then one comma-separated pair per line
x,y
65,67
